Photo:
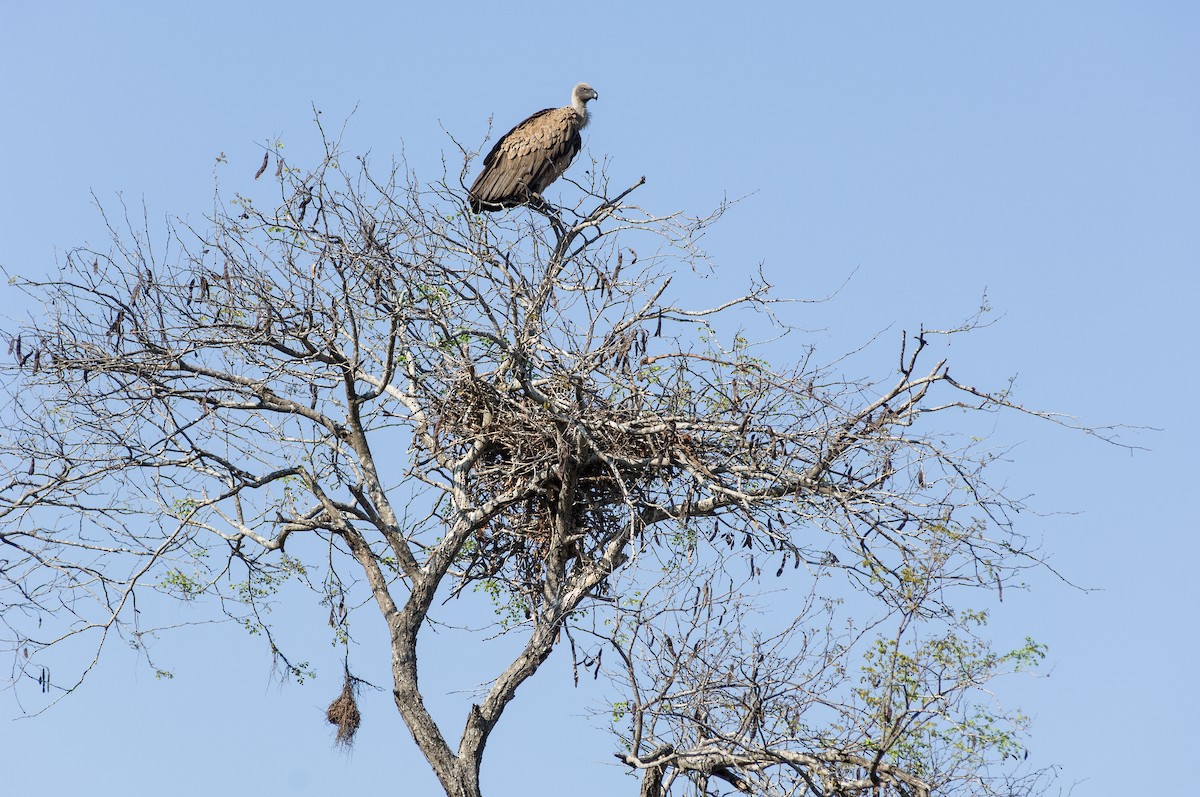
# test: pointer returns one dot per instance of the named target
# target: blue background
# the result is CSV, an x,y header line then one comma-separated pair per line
x,y
1046,153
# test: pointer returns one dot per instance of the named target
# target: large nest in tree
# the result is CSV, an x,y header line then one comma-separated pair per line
x,y
568,460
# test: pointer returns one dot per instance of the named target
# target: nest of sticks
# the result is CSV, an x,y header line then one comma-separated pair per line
x,y
577,461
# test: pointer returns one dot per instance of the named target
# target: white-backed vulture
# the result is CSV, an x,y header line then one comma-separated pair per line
x,y
532,155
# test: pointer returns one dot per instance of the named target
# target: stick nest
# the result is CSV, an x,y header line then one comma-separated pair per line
x,y
574,465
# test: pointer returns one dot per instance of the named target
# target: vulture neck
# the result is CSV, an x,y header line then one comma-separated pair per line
x,y
580,107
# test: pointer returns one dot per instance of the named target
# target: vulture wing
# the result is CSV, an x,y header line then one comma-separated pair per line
x,y
527,159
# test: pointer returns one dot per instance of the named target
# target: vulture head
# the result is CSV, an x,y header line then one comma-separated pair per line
x,y
580,96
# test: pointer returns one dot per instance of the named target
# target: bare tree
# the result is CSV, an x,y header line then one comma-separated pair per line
x,y
414,401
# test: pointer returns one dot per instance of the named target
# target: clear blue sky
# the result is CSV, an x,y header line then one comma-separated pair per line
x,y
1046,152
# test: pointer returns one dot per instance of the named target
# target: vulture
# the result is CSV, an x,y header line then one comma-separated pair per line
x,y
532,155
